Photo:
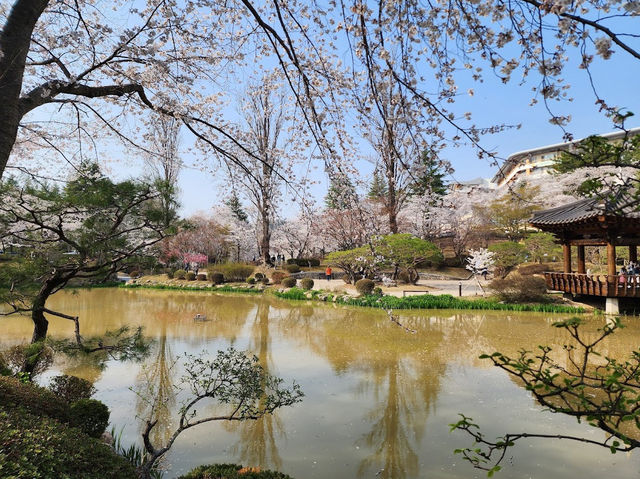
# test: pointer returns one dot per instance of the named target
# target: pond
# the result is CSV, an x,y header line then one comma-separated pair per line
x,y
378,399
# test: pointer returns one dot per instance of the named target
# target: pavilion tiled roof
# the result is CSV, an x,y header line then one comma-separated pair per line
x,y
621,206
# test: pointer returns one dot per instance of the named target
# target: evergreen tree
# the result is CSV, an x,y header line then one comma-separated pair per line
x,y
236,207
378,188
429,177
341,194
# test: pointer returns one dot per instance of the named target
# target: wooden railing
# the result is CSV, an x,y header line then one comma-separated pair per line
x,y
594,284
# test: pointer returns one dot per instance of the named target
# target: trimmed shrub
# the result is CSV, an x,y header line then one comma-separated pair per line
x,y
258,276
377,291
179,274
292,268
216,278
306,283
71,388
233,271
365,286
278,276
170,274
289,282
191,276
519,289
304,262
35,446
33,399
201,277
90,415
264,280
231,471
251,280
135,273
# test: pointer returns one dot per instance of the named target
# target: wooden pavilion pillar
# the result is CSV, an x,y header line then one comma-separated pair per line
x,y
633,253
566,257
581,260
611,259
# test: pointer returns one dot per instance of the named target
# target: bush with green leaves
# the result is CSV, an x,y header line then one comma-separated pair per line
x,y
170,274
90,415
519,289
234,272
292,268
507,255
71,388
251,280
365,286
33,357
32,398
216,278
304,262
232,471
289,282
37,446
258,276
190,276
180,274
306,283
265,280
201,277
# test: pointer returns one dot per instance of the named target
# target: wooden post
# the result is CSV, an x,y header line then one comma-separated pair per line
x,y
566,256
581,266
611,259
633,253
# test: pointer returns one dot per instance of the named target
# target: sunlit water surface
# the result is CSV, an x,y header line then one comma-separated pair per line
x,y
378,399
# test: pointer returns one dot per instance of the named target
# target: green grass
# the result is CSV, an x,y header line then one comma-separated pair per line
x,y
427,301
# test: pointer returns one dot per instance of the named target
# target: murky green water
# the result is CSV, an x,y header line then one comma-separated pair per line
x,y
378,399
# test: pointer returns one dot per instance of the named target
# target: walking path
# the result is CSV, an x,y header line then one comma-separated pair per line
x,y
435,287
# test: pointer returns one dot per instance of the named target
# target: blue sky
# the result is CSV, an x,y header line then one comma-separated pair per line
x,y
492,103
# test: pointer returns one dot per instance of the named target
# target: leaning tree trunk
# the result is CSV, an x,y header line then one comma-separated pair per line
x,y
40,323
15,39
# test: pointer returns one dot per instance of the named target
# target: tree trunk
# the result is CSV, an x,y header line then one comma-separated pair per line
x,y
265,238
392,199
40,323
15,39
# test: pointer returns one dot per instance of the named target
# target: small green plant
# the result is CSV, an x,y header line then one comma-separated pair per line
x,y
180,274
170,274
377,291
191,276
216,278
90,415
289,282
258,276
71,388
365,286
251,280
306,283
292,268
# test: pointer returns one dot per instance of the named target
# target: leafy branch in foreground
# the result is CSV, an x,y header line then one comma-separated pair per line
x,y
603,390
236,383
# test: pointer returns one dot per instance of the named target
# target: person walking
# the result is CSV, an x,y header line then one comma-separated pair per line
x,y
327,273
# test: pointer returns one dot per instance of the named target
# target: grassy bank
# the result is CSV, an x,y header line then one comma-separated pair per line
x,y
426,301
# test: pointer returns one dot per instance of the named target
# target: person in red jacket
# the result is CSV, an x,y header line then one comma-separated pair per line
x,y
328,273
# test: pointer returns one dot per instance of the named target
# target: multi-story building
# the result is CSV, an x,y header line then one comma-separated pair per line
x,y
539,160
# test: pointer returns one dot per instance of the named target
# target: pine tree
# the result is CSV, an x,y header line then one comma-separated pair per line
x,y
341,194
430,179
378,189
236,207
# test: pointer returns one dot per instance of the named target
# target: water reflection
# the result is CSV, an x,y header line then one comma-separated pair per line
x,y
378,399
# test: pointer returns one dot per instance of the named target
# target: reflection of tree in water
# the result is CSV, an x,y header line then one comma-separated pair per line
x,y
257,445
402,370
157,397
